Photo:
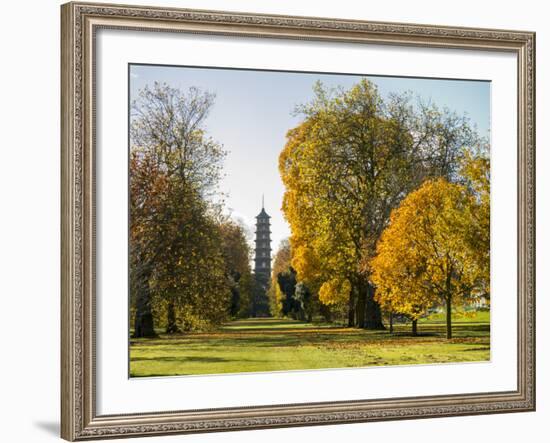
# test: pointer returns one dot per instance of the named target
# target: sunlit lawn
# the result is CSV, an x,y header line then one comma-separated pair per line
x,y
278,345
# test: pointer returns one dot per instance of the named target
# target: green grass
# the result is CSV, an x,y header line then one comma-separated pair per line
x,y
254,345
459,317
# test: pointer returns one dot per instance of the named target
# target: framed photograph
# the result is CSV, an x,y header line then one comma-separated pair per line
x,y
275,221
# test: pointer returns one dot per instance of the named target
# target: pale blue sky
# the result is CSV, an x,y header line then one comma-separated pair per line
x,y
253,111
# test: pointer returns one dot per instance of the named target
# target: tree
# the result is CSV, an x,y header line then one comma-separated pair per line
x,y
350,162
236,253
168,124
475,173
423,257
147,184
305,302
289,297
283,281
286,289
177,263
189,281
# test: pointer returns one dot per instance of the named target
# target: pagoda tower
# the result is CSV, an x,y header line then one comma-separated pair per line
x,y
262,263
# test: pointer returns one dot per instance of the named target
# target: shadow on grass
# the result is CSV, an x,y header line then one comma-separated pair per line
x,y
261,341
278,334
193,359
183,359
157,375
484,348
411,335
295,339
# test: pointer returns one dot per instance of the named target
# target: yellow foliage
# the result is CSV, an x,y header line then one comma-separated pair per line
x,y
334,291
476,171
424,255
326,200
352,160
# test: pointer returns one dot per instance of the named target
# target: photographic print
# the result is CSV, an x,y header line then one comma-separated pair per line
x,y
296,221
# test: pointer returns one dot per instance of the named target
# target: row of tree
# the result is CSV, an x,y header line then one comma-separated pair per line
x,y
189,264
388,204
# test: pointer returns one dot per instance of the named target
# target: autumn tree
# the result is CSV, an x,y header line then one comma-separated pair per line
x,y
175,247
305,302
283,281
350,162
290,297
475,175
423,257
147,186
236,253
187,283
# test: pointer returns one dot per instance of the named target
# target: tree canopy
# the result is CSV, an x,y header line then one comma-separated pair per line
x,y
346,166
426,256
189,264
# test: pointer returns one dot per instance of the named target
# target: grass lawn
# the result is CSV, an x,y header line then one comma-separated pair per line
x,y
278,345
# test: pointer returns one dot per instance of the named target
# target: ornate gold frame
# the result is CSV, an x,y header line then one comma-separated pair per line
x,y
79,22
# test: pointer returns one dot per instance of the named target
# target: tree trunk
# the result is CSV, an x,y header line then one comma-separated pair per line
x,y
351,310
448,301
325,312
414,327
360,306
253,306
171,326
449,321
391,322
373,313
143,321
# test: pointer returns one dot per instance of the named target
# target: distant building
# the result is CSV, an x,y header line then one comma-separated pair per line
x,y
480,302
262,264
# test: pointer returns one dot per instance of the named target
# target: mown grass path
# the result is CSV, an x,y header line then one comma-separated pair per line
x,y
278,345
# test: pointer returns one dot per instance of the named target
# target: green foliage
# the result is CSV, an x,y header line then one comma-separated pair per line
x,y
237,253
289,297
304,299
